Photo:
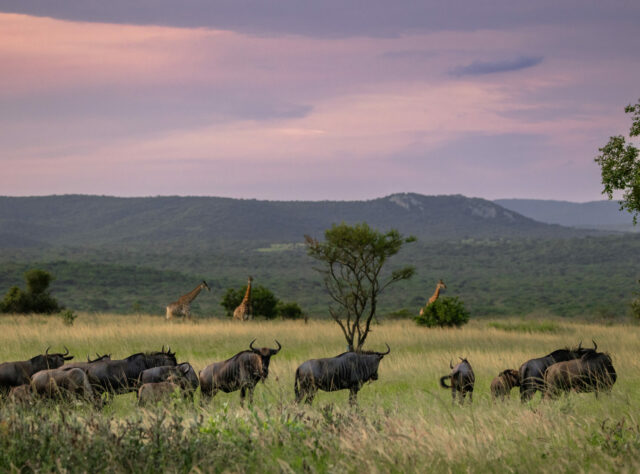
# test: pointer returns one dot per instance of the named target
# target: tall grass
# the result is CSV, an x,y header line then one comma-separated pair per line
x,y
404,421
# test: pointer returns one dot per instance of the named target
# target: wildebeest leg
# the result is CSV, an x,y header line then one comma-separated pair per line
x,y
353,394
454,395
470,396
243,392
311,393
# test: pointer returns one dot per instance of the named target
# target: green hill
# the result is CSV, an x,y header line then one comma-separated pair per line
x,y
138,254
99,220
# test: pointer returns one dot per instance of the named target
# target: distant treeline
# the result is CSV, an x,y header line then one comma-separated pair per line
x,y
565,277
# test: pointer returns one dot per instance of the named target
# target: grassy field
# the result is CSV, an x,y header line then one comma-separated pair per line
x,y
404,421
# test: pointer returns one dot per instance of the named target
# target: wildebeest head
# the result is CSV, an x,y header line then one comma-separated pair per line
x,y
98,358
380,355
265,354
157,359
50,361
511,376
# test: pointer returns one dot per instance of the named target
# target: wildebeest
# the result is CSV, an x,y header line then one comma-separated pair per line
x,y
21,393
349,370
462,380
181,374
593,372
153,392
121,376
17,373
83,365
241,372
532,371
59,383
501,385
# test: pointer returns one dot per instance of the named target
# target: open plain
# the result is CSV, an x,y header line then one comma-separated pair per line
x,y
404,421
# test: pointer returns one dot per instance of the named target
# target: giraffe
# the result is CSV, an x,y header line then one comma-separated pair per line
x,y
244,311
433,298
183,305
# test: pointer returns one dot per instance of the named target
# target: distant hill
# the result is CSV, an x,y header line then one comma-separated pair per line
x,y
587,215
80,220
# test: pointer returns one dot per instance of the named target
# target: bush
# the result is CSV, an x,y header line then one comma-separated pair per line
x,y
289,310
445,312
35,300
635,308
263,301
68,317
403,313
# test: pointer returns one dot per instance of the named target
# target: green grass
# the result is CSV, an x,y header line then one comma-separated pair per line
x,y
404,421
526,326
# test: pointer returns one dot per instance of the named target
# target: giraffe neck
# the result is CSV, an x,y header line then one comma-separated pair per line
x,y
189,297
437,293
247,295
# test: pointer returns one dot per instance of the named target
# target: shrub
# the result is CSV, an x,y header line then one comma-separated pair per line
x,y
68,317
444,312
35,300
635,308
263,301
289,310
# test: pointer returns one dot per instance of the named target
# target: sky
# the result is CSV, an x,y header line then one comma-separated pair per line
x,y
309,100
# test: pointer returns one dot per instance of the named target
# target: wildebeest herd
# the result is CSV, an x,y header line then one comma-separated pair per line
x,y
155,375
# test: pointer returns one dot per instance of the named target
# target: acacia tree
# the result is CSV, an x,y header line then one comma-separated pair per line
x,y
620,166
352,267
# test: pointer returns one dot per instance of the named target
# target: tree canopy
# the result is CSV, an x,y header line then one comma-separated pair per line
x,y
620,165
352,260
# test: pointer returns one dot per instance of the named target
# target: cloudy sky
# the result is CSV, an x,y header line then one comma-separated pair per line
x,y
295,99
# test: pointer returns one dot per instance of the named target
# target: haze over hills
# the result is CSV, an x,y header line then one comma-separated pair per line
x,y
73,220
588,215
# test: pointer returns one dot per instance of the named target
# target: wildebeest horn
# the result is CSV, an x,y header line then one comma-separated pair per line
x,y
278,349
66,351
251,345
595,346
450,364
580,345
47,351
162,350
385,353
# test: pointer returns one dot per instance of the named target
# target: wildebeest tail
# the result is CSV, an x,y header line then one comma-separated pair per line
x,y
442,379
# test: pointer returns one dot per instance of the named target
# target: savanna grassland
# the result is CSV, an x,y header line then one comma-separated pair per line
x,y
404,421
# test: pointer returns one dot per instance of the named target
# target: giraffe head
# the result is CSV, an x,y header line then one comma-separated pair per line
x,y
441,284
204,285
250,278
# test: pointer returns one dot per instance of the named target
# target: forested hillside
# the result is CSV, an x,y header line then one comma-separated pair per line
x,y
137,255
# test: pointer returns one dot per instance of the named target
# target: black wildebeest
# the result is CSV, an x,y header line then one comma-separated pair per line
x,y
593,372
532,371
121,376
462,380
182,374
501,385
59,383
83,365
17,373
349,370
241,372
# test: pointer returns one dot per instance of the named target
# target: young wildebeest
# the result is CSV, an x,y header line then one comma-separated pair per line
x,y
121,376
532,371
154,392
593,372
241,372
59,383
349,370
13,374
501,385
181,374
462,380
